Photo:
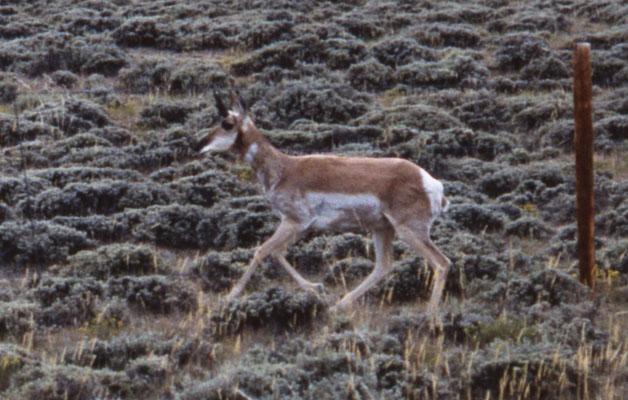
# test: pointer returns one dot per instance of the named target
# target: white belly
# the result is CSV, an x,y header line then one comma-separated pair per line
x,y
339,211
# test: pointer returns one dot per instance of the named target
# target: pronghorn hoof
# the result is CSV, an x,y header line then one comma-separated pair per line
x,y
232,295
340,307
433,319
319,288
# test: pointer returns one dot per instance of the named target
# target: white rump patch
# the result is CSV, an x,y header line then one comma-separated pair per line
x,y
221,142
434,190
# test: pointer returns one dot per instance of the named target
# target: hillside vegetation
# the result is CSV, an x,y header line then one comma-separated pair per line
x,y
118,242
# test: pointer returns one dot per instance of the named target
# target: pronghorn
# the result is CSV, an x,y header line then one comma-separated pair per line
x,y
325,192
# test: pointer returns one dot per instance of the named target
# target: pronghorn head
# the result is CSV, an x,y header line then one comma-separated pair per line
x,y
225,134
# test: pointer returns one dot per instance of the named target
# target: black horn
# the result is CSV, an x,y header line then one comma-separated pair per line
x,y
222,110
237,102
245,107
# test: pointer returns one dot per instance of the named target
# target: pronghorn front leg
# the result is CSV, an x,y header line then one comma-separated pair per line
x,y
287,233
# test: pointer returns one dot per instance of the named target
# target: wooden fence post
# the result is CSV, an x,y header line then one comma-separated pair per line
x,y
583,147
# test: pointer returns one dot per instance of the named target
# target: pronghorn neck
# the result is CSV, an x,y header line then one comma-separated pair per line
x,y
267,162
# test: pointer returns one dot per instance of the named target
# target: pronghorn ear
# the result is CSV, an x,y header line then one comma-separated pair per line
x,y
222,110
234,100
243,105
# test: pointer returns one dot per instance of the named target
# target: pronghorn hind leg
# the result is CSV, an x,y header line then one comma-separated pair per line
x,y
382,240
419,241
287,233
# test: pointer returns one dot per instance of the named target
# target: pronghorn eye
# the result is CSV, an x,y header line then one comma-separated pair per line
x,y
226,125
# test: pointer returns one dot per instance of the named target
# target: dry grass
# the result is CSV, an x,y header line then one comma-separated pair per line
x,y
423,349
7,109
127,112
615,162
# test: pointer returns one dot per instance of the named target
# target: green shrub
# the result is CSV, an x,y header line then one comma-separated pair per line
x,y
512,330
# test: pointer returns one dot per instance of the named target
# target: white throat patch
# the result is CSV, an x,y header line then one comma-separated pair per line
x,y
247,123
251,153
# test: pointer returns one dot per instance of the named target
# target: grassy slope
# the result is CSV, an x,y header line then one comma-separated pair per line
x,y
137,238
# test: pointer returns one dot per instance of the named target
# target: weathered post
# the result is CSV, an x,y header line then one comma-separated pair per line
x,y
583,147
